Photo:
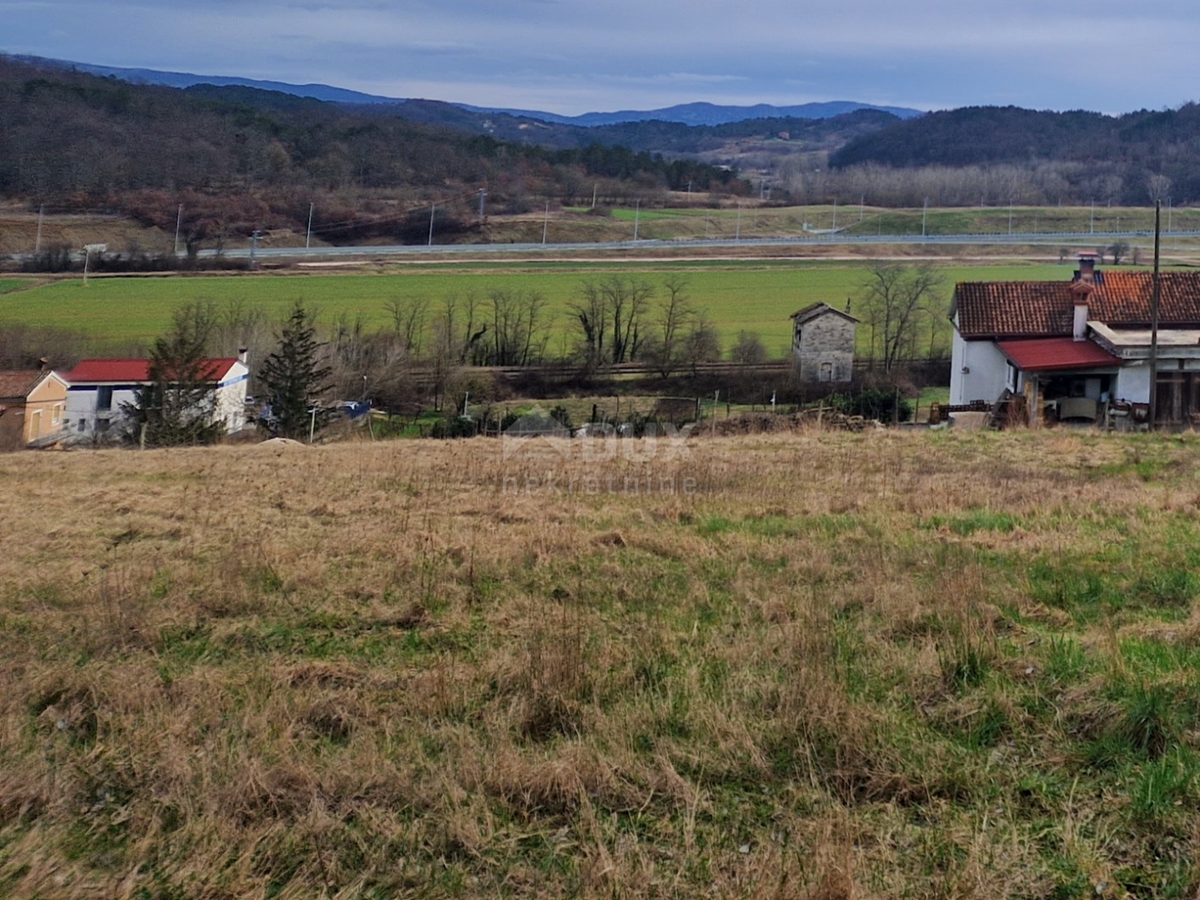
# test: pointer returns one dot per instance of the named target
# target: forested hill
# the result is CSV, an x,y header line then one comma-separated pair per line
x,y
249,159
652,136
1149,151
67,134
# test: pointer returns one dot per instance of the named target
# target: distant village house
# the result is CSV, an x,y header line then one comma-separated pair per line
x,y
1077,349
32,407
101,388
823,343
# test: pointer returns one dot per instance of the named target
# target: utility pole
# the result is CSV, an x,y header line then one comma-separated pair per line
x,y
432,207
482,194
254,248
37,244
637,209
737,235
1154,301
88,250
594,187
546,223
178,225
308,240
924,216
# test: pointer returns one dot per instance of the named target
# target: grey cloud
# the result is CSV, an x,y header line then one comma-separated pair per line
x,y
557,54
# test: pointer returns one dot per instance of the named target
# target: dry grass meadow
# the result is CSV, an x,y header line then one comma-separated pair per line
x,y
824,666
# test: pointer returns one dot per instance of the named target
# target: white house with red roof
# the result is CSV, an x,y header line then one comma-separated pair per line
x,y
1070,348
99,389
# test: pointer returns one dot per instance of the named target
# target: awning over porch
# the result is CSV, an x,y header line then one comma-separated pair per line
x,y
1057,354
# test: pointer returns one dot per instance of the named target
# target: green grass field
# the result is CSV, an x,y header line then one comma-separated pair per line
x,y
752,295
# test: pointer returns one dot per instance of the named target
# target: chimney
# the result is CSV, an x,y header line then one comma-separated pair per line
x,y
243,355
43,364
1079,329
1087,268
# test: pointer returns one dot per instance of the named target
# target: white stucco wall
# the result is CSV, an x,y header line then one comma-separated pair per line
x,y
1133,383
82,415
231,398
985,371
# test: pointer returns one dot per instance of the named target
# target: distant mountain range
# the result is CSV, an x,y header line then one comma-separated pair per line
x,y
685,114
707,113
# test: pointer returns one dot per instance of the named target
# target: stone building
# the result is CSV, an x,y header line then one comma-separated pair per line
x,y
823,343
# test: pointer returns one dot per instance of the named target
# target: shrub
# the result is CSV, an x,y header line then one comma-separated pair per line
x,y
873,403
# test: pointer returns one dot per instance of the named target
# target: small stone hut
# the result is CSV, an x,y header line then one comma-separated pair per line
x,y
823,343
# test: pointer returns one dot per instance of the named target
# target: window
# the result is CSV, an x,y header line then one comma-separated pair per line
x,y
826,371
56,418
104,398
1010,377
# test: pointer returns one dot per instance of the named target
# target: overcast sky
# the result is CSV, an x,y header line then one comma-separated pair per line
x,y
575,56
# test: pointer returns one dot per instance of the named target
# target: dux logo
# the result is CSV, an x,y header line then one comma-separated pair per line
x,y
536,427
596,442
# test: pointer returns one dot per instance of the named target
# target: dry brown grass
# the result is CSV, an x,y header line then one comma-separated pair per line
x,y
835,666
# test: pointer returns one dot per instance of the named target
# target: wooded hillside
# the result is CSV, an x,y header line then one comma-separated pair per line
x,y
243,159
1130,159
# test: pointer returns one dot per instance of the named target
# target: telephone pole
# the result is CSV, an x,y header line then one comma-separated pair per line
x,y
1155,296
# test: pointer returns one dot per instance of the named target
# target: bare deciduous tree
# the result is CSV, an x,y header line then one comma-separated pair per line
x,y
896,300
408,321
749,350
702,344
610,314
518,328
666,346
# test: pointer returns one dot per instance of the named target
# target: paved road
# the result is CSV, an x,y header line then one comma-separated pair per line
x,y
1086,239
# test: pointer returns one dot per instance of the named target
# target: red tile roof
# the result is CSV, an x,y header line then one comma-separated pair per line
x,y
132,371
17,384
997,309
1056,354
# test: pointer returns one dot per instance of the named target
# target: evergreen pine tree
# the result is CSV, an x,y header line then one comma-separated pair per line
x,y
176,407
294,379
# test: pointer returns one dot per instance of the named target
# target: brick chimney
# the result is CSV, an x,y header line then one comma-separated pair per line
x,y
1087,268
